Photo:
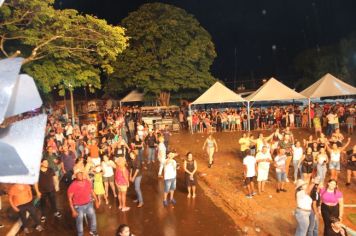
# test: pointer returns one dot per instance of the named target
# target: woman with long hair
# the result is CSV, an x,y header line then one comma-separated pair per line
x,y
211,147
123,230
321,168
190,168
108,176
307,164
122,182
335,158
297,155
332,204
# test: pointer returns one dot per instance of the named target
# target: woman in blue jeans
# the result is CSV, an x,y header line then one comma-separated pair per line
x,y
321,168
304,207
136,177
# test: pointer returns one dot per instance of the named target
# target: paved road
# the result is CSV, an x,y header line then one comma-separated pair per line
x,y
189,217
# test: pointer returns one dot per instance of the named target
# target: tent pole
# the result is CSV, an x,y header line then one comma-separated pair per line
x,y
248,116
191,117
309,116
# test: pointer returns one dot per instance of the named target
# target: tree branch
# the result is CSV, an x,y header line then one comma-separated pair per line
x,y
32,57
17,20
2,46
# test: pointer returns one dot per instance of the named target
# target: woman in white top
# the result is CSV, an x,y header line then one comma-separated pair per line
x,y
238,122
161,155
335,156
108,176
211,147
297,155
304,207
322,161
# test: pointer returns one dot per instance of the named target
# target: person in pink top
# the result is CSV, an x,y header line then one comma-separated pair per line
x,y
122,183
332,204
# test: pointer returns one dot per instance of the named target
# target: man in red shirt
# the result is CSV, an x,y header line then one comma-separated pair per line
x,y
80,194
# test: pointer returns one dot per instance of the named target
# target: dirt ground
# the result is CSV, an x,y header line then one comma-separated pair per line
x,y
270,213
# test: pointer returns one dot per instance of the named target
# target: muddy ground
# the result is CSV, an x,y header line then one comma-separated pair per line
x,y
270,213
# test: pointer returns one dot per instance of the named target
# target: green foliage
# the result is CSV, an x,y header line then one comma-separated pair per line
x,y
169,51
59,46
338,60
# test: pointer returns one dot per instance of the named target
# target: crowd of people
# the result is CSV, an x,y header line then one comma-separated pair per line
x,y
311,159
262,118
97,162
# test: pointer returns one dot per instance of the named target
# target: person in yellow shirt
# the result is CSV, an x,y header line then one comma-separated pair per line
x,y
244,142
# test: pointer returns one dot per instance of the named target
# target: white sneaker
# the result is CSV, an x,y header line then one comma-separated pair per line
x,y
125,209
39,228
287,180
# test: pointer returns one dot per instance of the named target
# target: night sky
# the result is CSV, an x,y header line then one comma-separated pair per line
x,y
245,32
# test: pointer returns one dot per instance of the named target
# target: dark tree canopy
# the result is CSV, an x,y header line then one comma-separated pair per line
x,y
60,47
169,51
338,59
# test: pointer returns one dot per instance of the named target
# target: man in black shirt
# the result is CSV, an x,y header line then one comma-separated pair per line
x,y
351,165
45,189
151,142
136,177
314,215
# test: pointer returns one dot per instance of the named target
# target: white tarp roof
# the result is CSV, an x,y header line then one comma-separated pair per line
x,y
274,90
218,93
133,96
328,86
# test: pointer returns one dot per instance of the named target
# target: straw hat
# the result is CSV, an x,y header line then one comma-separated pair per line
x,y
300,183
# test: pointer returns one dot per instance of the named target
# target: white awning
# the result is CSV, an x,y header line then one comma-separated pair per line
x,y
218,93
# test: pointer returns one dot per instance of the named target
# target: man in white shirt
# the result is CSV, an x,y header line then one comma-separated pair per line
x,y
170,174
249,163
263,160
332,119
69,129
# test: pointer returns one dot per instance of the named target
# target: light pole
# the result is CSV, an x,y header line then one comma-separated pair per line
x,y
70,87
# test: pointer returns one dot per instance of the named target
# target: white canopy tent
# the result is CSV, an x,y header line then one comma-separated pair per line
x,y
133,96
327,86
218,93
272,90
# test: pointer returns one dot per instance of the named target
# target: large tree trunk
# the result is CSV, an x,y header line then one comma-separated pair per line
x,y
164,98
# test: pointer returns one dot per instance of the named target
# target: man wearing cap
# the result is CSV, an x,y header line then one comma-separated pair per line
x,y
314,215
80,194
45,189
170,173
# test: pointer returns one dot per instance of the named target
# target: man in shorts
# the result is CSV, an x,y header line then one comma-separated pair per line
x,y
170,174
249,163
280,164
